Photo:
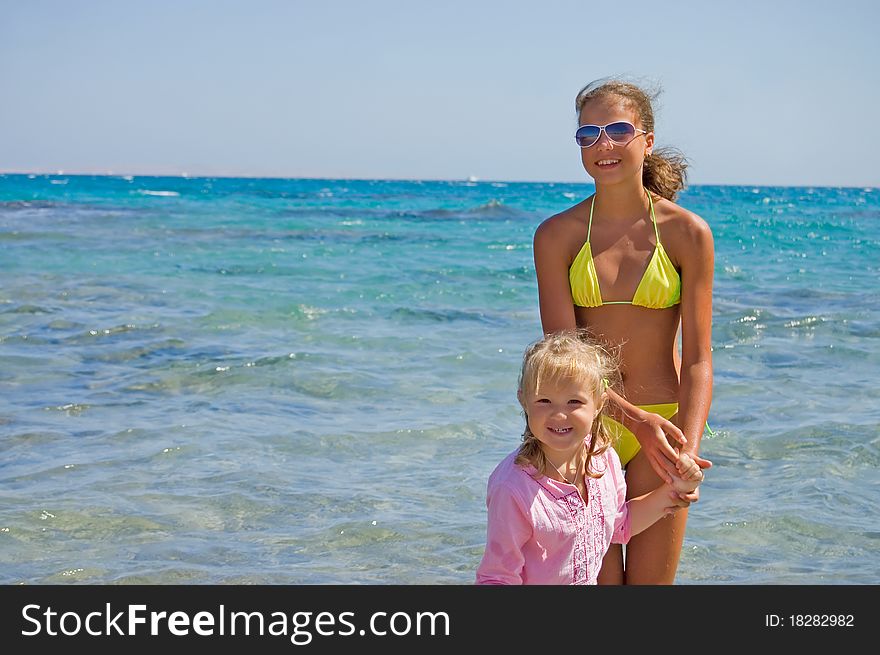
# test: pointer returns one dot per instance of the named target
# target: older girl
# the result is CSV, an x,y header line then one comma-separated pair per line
x,y
636,269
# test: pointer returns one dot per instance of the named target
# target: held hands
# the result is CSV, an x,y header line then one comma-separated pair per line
x,y
654,433
689,474
684,484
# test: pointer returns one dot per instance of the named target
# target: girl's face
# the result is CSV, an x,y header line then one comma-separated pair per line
x,y
607,161
561,415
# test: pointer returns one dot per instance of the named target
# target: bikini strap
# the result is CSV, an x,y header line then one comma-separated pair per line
x,y
653,217
590,225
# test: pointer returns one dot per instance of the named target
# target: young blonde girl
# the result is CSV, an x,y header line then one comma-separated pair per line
x,y
557,503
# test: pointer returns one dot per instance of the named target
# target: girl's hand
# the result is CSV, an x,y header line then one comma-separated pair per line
x,y
653,433
689,476
678,500
687,467
681,499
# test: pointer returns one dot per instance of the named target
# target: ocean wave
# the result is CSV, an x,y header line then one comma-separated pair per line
x,y
343,236
27,204
445,316
31,236
28,309
148,192
66,212
71,409
309,235
492,210
168,349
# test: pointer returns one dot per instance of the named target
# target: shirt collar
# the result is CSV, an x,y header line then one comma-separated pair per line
x,y
558,490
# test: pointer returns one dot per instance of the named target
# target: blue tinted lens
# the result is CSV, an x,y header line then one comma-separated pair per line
x,y
586,135
620,132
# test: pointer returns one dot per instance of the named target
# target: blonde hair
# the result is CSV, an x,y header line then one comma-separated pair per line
x,y
665,170
570,356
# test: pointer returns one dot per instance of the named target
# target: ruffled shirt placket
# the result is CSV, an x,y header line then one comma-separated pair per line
x,y
589,544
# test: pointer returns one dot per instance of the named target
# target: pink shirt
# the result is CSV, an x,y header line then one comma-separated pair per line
x,y
541,531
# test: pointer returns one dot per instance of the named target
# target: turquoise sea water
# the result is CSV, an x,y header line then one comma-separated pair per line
x,y
309,381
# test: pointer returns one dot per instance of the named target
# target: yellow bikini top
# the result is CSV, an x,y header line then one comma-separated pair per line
x,y
660,286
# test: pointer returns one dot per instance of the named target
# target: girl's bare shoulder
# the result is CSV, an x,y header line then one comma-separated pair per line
x,y
565,225
681,226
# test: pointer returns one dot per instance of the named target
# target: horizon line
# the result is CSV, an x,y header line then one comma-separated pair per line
x,y
469,179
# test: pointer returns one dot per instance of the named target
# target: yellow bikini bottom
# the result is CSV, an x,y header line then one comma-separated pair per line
x,y
625,442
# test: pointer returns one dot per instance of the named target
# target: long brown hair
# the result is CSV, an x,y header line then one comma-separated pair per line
x,y
665,170
570,355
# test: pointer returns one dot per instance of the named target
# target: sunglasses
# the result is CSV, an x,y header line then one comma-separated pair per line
x,y
620,133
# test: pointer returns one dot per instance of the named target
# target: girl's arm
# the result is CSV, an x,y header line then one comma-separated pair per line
x,y
649,508
508,529
695,390
551,269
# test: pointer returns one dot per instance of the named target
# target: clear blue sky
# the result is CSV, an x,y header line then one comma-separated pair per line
x,y
764,93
